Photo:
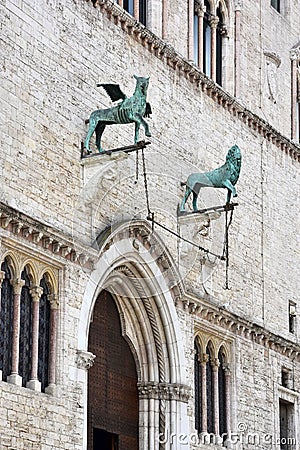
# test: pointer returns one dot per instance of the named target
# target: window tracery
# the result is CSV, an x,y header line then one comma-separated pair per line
x,y
28,322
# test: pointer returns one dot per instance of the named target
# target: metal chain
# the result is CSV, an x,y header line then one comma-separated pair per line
x,y
146,183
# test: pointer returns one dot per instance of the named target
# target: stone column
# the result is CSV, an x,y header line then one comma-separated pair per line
x,y
54,304
203,359
136,9
213,23
200,13
120,2
228,398
237,48
215,368
15,378
34,384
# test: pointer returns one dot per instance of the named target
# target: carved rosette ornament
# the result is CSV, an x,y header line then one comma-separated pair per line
x,y
84,360
164,391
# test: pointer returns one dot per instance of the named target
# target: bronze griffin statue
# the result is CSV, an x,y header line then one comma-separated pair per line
x,y
129,110
225,176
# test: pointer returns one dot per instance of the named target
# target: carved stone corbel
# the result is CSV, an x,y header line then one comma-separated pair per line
x,y
84,359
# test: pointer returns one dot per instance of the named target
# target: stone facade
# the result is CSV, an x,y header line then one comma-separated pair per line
x,y
86,218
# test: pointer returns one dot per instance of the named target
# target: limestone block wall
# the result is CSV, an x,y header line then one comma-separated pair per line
x,y
266,80
53,57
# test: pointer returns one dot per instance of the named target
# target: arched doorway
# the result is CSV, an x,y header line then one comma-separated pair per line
x,y
112,382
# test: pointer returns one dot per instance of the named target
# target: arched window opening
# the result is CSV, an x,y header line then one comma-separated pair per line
x,y
207,40
219,47
6,321
25,341
210,392
198,389
222,393
44,335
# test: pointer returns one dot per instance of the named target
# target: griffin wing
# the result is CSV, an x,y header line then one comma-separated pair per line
x,y
114,91
148,110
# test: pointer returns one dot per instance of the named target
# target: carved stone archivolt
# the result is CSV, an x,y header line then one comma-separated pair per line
x,y
84,359
164,391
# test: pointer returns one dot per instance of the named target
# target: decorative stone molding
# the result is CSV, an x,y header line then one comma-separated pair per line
x,y
164,391
84,360
43,236
164,51
273,57
241,327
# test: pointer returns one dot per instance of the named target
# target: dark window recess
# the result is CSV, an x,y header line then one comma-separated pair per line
x,y
6,319
209,394
287,433
219,48
44,335
207,41
25,346
292,317
222,394
128,6
198,391
276,4
143,11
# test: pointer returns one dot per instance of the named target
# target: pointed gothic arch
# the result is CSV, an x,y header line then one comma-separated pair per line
x,y
137,270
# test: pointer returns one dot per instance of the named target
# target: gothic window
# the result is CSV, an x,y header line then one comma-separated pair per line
x,y
211,378
6,320
137,8
208,38
222,392
198,389
207,41
219,47
44,335
25,342
210,392
276,4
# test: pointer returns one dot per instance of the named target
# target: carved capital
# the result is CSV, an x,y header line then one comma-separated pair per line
x,y
214,20
17,284
164,391
36,293
2,276
238,5
84,360
215,363
200,10
203,359
54,302
295,54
